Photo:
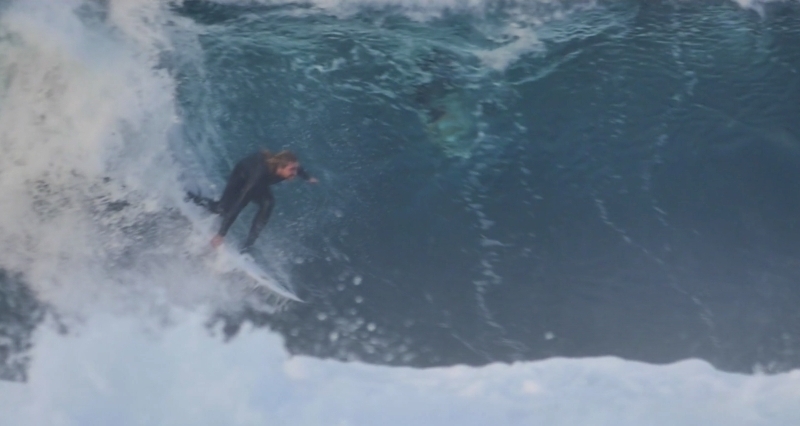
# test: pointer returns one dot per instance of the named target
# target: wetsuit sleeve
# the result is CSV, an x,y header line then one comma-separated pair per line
x,y
229,217
260,219
303,173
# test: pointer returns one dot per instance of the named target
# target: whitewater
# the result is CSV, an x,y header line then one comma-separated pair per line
x,y
119,371
109,111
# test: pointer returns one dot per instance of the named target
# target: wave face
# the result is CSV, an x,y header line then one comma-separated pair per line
x,y
499,181
509,183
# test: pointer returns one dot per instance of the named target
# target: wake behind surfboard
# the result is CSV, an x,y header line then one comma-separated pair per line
x,y
228,262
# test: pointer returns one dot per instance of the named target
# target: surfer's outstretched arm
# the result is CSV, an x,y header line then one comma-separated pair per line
x,y
241,179
262,216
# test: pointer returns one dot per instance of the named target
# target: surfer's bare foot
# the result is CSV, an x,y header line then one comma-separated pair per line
x,y
216,241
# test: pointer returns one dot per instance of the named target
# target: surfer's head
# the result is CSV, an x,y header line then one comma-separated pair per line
x,y
284,164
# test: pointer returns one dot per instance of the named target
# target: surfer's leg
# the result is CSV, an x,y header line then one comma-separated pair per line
x,y
265,205
205,202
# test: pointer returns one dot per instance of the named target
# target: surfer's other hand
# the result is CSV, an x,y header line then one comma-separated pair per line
x,y
216,241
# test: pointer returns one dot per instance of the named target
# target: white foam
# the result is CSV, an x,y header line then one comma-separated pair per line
x,y
523,40
756,5
83,100
123,372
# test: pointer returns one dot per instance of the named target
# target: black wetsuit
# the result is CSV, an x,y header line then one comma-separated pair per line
x,y
249,182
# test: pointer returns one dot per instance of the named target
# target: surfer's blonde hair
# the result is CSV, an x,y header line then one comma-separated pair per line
x,y
280,159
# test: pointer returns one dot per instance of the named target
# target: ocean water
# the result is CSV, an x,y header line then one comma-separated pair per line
x,y
531,211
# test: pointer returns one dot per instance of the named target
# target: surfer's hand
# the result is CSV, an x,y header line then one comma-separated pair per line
x,y
216,241
312,180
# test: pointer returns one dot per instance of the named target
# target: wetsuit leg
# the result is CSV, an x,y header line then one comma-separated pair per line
x,y
202,201
265,205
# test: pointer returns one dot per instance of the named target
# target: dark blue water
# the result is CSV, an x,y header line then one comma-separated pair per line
x,y
629,188
627,183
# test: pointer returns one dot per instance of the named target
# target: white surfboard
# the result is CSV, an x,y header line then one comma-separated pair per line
x,y
227,260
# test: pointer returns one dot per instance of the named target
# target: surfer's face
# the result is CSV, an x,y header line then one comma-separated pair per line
x,y
288,171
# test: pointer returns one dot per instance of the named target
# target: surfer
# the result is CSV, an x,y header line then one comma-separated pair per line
x,y
250,182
